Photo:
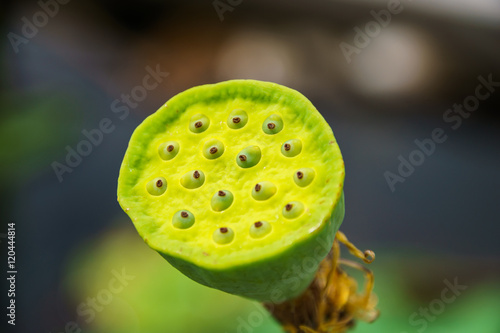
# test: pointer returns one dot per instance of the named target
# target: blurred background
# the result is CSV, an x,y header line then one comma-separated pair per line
x,y
382,73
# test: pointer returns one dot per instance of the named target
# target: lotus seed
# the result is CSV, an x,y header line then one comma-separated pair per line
x,y
273,124
193,179
223,235
168,150
303,177
293,209
213,149
183,219
199,123
157,186
260,229
263,190
249,157
222,200
237,119
291,148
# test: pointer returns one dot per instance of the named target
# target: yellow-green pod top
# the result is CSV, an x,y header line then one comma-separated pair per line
x,y
239,185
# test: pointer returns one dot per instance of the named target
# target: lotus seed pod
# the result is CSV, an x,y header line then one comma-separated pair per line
x,y
193,179
199,123
263,190
225,248
213,149
291,148
157,186
237,119
273,124
260,229
303,177
222,200
183,219
168,150
249,157
223,236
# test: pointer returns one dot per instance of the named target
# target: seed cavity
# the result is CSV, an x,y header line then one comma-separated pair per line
x,y
263,190
260,229
291,148
222,200
249,157
183,219
157,186
293,209
303,177
199,123
213,149
193,179
168,150
237,119
273,124
223,236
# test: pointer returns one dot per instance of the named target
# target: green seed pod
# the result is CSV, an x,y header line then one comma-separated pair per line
x,y
273,124
223,236
237,119
222,200
263,190
260,229
225,249
193,179
213,149
293,209
249,157
199,123
157,186
291,148
183,219
303,177
168,150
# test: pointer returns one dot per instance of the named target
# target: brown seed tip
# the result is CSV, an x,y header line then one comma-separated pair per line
x,y
236,120
159,183
300,175
198,124
170,148
288,207
196,174
258,187
242,158
287,146
271,125
221,194
258,224
223,230
213,150
184,214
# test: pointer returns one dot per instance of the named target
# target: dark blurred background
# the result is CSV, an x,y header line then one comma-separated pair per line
x,y
63,65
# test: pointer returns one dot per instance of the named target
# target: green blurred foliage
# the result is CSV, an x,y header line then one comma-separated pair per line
x,y
161,299
34,131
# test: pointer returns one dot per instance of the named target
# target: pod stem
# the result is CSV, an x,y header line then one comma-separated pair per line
x,y
331,303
